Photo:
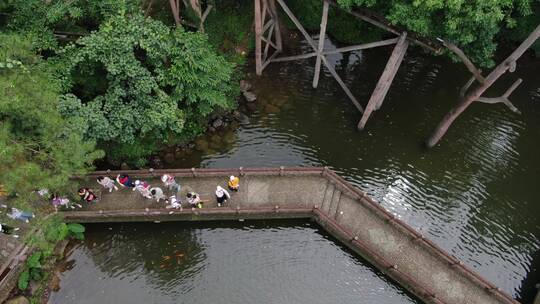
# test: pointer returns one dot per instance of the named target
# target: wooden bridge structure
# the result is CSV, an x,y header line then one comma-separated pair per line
x,y
269,44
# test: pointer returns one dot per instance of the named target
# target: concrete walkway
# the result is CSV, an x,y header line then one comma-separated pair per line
x,y
344,211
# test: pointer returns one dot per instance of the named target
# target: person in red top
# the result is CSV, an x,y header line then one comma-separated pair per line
x,y
125,181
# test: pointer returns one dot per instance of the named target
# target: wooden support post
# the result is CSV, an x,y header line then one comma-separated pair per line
x,y
175,9
268,41
297,23
481,88
477,73
342,84
323,58
277,29
258,38
320,49
382,87
204,16
504,98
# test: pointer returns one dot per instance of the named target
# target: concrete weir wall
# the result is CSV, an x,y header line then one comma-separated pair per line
x,y
318,193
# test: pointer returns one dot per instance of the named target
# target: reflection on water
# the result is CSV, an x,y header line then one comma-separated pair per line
x,y
475,195
252,262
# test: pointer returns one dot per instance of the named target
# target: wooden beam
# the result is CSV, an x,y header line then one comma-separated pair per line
x,y
258,38
268,42
504,98
466,86
323,58
380,22
320,48
297,23
342,84
267,25
175,9
206,12
468,63
270,59
264,3
295,57
481,88
277,29
362,46
203,17
512,87
382,87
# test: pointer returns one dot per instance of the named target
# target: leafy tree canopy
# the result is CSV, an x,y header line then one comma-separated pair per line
x,y
471,24
38,147
138,82
41,18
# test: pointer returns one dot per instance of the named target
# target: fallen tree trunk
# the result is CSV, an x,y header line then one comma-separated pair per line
x,y
477,92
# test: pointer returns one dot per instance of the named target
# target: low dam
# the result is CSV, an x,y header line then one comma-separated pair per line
x,y
315,193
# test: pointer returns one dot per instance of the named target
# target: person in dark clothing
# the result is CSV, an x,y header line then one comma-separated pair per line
x,y
125,181
87,195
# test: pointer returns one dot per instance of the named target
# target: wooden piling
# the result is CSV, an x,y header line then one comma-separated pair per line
x,y
258,38
320,48
382,87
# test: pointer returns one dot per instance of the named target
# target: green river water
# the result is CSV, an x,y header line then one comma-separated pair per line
x,y
475,195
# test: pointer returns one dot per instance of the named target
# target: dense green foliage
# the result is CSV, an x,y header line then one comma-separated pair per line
x,y
136,81
131,83
471,24
52,231
38,147
43,18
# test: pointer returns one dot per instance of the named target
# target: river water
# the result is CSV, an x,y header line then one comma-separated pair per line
x,y
475,194
233,262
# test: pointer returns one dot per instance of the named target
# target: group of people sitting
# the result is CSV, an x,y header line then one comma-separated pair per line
x,y
173,199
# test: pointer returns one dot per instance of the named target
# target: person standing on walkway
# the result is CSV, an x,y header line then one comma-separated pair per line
x,y
194,200
157,193
107,183
143,188
222,196
173,203
170,182
234,183
125,181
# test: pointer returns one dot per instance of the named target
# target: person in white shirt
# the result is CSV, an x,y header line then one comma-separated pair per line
x,y
143,188
170,182
157,193
173,203
107,183
222,196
